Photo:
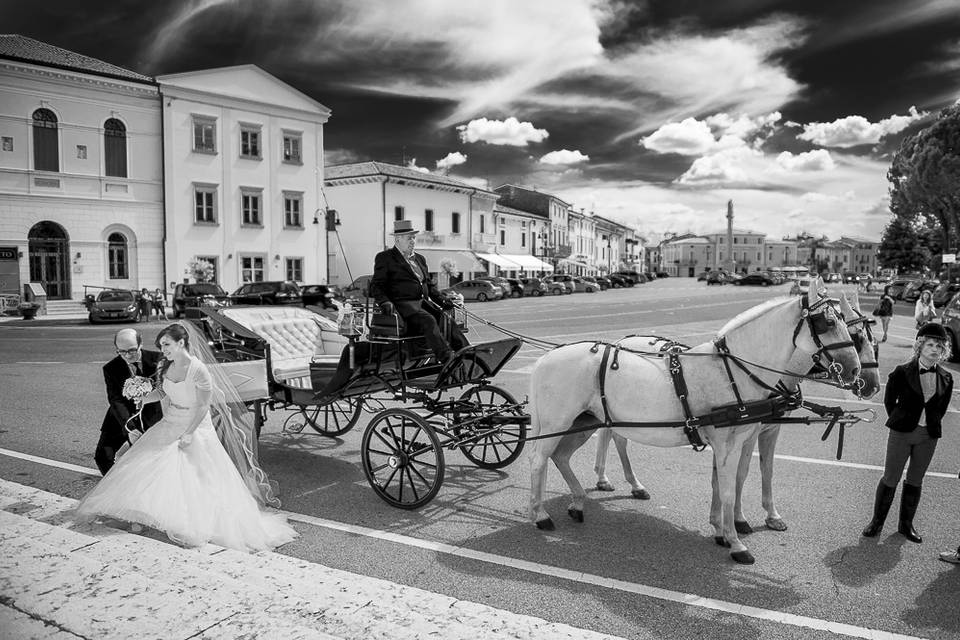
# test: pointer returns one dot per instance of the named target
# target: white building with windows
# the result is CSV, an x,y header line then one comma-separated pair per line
x,y
510,252
243,166
369,196
81,199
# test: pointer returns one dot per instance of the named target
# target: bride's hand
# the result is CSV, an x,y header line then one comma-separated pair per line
x,y
185,440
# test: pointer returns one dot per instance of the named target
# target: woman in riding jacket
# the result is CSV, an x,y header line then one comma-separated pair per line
x,y
917,397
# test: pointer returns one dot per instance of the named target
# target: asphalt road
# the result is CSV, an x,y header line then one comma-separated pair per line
x,y
625,570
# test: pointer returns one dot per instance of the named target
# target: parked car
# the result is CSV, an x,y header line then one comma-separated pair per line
x,y
897,287
560,283
272,292
320,295
760,279
951,322
717,277
533,286
582,286
505,285
662,274
944,293
112,305
833,277
601,282
189,298
632,276
617,282
702,276
912,291
358,289
851,278
479,290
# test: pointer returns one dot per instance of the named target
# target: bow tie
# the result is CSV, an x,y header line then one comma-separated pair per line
x,y
930,370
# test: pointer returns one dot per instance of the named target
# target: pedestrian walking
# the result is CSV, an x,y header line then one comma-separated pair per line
x,y
917,396
924,311
159,304
884,311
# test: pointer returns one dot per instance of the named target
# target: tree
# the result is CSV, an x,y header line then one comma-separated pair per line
x,y
925,176
902,246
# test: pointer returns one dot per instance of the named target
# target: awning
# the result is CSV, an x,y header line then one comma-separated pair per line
x,y
575,263
501,261
464,260
528,262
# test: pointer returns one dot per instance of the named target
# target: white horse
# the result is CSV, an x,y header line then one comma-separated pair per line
x,y
567,402
765,437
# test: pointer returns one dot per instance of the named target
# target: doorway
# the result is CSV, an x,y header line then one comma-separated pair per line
x,y
49,249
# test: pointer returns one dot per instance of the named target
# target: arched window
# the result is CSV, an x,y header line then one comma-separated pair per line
x,y
117,256
46,154
115,148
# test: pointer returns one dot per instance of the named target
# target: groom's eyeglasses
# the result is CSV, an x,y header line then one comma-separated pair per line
x,y
128,352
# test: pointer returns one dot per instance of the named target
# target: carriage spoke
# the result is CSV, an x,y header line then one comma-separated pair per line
x,y
416,496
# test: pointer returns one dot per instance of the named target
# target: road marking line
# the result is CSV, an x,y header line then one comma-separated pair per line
x,y
851,465
688,599
50,463
39,362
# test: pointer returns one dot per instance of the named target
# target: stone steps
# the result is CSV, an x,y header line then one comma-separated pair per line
x,y
99,582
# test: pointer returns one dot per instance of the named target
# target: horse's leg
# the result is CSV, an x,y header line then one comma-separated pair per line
x,y
561,457
637,490
726,450
600,466
743,470
768,442
538,484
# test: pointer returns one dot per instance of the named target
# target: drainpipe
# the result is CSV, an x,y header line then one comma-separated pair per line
x,y
163,189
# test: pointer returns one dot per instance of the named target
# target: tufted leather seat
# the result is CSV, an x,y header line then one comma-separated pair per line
x,y
296,336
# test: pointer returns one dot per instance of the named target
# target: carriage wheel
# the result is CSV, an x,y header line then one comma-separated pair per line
x,y
402,458
334,418
500,448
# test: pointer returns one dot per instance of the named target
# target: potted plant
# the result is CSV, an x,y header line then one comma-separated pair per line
x,y
28,310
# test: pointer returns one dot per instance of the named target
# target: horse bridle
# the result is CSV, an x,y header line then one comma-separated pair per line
x,y
817,317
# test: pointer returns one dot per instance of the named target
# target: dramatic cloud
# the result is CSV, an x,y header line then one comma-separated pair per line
x,y
502,132
690,137
856,130
729,166
413,165
563,156
452,159
816,160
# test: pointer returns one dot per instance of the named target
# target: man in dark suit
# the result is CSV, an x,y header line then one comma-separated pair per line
x,y
401,284
132,360
917,396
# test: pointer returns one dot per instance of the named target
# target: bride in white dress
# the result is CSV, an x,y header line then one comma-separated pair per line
x,y
178,478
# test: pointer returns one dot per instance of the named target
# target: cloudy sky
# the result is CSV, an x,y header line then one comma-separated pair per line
x,y
654,113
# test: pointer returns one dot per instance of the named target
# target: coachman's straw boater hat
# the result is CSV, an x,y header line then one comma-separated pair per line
x,y
403,227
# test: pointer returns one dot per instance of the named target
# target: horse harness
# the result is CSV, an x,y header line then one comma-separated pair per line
x,y
770,409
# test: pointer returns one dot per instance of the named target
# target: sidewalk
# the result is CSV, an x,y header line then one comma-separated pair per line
x,y
62,582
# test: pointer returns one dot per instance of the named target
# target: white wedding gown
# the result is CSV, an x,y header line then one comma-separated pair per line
x,y
194,494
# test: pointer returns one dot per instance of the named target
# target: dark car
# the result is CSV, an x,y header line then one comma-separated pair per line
x,y
358,289
897,287
320,295
950,317
618,282
662,274
912,291
272,292
111,305
760,279
632,276
944,293
189,298
506,286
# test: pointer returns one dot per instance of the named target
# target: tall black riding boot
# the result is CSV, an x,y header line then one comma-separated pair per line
x,y
881,507
908,508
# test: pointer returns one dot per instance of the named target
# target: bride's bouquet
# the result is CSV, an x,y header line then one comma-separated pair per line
x,y
135,389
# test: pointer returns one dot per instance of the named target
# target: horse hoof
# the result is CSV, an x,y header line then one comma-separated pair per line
x,y
545,525
743,557
720,540
742,526
604,486
640,494
776,524
576,514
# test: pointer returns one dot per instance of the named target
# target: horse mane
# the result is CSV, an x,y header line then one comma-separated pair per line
x,y
754,312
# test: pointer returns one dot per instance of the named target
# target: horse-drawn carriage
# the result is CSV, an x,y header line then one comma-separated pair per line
x,y
325,374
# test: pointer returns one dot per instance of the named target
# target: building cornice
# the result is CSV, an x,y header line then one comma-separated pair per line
x,y
68,77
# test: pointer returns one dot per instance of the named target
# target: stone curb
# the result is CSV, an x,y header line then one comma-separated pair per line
x,y
93,581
